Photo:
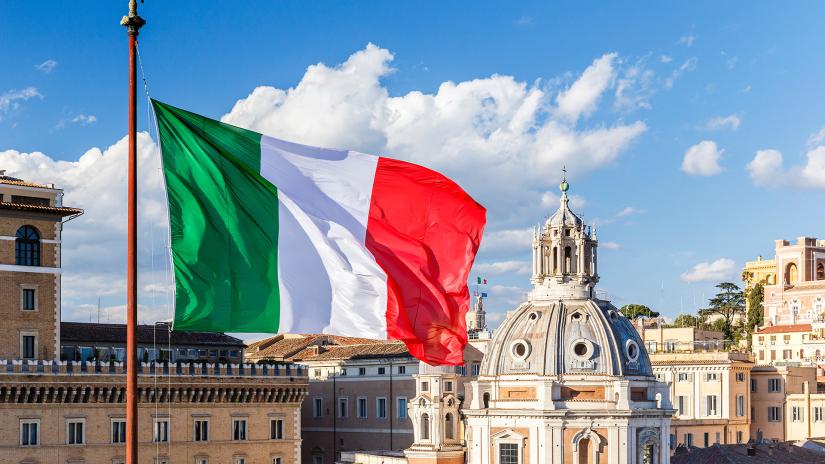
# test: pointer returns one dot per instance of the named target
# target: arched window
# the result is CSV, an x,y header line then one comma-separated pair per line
x,y
567,260
790,274
448,426
27,247
820,271
584,451
425,426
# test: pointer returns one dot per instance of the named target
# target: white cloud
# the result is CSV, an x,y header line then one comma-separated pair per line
x,y
731,122
719,270
502,267
550,201
507,240
94,244
628,211
767,170
665,59
817,138
84,119
687,40
47,66
467,129
582,97
702,159
688,65
634,88
523,21
10,100
610,245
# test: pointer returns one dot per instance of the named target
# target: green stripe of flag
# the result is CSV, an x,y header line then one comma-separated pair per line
x,y
223,219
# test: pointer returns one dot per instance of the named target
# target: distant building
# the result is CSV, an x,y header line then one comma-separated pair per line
x,y
31,226
681,339
750,453
795,289
73,411
761,271
770,387
711,394
793,343
359,390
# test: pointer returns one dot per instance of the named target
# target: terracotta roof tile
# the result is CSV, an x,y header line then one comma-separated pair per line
x,y
736,454
298,347
62,211
13,181
376,349
785,329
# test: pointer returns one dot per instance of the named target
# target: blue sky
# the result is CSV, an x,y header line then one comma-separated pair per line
x,y
652,80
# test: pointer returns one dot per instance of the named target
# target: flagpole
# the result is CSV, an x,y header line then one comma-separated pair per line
x,y
133,23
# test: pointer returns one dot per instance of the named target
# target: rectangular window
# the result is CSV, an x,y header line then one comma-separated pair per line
x,y
362,371
711,377
738,436
706,439
161,434
818,414
761,355
201,460
343,372
475,369
711,404
402,369
774,385
118,431
29,432
239,429
682,402
740,405
684,377
461,370
317,407
75,431
773,414
29,299
201,430
425,386
753,385
508,453
448,386
343,407
239,460
316,373
362,407
28,346
277,460
402,408
276,429
740,376
796,414
381,408
689,440
382,371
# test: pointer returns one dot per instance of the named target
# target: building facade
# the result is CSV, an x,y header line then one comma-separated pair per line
x,y
31,225
681,339
771,385
82,341
62,412
797,294
710,392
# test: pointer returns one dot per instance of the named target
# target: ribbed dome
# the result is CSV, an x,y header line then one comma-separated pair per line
x,y
578,336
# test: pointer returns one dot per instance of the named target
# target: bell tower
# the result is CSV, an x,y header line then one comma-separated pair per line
x,y
438,432
564,255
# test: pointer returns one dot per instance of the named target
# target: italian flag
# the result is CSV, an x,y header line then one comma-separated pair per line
x,y
273,236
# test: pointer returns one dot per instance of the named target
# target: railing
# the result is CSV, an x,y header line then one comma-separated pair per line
x,y
692,347
41,367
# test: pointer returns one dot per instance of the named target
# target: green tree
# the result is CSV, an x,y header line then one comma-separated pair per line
x,y
756,312
686,320
637,311
728,303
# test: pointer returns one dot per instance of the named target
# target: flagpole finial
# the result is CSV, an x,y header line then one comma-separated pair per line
x,y
133,22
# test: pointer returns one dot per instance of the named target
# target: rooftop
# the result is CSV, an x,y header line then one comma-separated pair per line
x,y
85,332
712,357
734,454
774,329
4,179
296,347
376,349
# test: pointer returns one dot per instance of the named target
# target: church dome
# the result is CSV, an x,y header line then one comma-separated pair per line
x,y
574,336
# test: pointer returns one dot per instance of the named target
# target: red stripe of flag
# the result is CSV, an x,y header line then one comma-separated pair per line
x,y
424,232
